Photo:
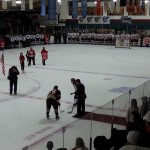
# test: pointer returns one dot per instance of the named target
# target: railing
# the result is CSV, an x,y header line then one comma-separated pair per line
x,y
98,122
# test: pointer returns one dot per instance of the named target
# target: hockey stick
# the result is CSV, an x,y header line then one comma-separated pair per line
x,y
74,104
69,112
61,110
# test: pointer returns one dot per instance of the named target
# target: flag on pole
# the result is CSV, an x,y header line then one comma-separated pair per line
x,y
2,62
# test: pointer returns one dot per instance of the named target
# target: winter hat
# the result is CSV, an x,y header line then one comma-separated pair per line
x,y
147,116
134,137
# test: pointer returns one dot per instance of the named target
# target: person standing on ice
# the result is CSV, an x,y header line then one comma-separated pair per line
x,y
31,55
53,100
44,54
22,59
13,78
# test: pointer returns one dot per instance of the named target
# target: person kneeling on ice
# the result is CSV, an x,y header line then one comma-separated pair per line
x,y
53,99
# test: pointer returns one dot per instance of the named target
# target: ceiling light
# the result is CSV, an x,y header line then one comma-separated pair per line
x,y
18,2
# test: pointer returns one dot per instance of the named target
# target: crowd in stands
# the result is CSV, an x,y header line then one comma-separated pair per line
x,y
135,137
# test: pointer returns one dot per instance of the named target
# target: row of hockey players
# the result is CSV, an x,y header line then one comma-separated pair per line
x,y
26,40
98,38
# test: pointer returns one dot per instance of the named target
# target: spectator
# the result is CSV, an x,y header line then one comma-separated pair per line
x,y
132,108
144,106
133,147
135,138
79,145
136,122
50,145
146,118
101,143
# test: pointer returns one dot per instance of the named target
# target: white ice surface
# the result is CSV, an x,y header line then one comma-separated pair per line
x,y
100,68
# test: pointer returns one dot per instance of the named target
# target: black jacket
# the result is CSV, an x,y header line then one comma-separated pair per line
x,y
13,72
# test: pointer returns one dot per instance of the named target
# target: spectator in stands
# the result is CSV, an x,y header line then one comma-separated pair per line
x,y
132,108
135,138
133,147
50,145
146,118
101,143
118,138
144,106
79,145
136,122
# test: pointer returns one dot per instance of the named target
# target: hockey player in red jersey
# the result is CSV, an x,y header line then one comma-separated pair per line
x,y
22,59
44,54
53,100
31,55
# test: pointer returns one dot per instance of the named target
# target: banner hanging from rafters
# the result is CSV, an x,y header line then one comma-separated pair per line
x,y
52,9
4,4
111,6
13,2
74,9
84,8
64,9
30,4
98,7
22,4
106,5
118,6
43,7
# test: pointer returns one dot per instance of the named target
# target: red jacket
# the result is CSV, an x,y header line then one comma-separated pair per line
x,y
21,58
31,53
44,54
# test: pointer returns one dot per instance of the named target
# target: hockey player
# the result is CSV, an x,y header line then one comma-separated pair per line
x,y
44,54
53,100
31,55
22,59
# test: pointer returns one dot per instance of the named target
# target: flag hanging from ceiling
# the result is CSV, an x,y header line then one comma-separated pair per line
x,y
111,6
4,4
106,5
52,9
64,9
118,6
30,4
74,9
22,4
84,8
43,7
98,7
13,2
3,65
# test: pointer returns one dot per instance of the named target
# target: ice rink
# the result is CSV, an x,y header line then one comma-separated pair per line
x,y
100,68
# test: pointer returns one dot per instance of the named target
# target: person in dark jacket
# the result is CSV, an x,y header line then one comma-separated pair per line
x,y
81,96
13,78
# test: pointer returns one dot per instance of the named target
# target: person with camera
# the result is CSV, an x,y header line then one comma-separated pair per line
x,y
13,79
